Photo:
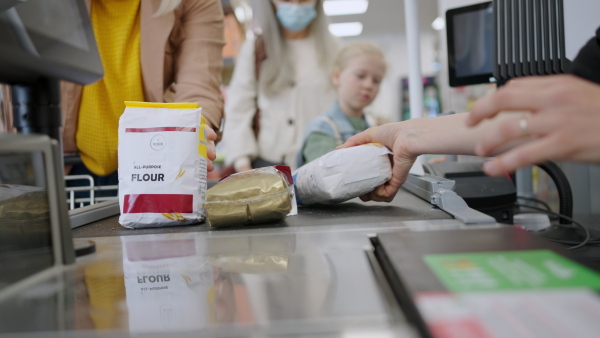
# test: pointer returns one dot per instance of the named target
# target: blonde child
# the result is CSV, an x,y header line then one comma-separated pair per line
x,y
358,70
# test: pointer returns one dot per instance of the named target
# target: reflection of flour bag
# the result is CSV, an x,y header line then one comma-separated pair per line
x,y
168,283
162,164
343,174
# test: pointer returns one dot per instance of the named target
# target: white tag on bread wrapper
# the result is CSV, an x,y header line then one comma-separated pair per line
x,y
162,164
343,174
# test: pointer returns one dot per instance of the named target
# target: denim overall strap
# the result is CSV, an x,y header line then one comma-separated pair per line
x,y
336,131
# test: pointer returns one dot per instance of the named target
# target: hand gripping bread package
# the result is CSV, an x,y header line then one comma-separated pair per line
x,y
343,174
162,164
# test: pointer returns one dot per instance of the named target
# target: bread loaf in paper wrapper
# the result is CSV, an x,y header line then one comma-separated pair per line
x,y
251,197
343,174
162,164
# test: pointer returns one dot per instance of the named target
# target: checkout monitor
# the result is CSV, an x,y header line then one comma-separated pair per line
x,y
47,38
470,36
39,39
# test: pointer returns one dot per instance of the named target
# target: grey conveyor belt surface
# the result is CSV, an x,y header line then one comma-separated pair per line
x,y
404,207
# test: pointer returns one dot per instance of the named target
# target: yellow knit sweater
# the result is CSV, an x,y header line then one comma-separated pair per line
x,y
117,29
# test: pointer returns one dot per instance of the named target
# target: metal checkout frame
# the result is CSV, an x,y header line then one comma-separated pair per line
x,y
423,265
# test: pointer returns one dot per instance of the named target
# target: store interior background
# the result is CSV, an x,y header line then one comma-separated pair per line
x,y
384,24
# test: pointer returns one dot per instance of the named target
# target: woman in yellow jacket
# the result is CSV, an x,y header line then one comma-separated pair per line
x,y
151,50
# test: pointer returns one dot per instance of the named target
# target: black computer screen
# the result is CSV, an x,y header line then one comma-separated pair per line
x,y
470,44
47,38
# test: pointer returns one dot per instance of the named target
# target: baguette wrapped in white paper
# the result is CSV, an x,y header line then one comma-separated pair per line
x,y
162,164
343,174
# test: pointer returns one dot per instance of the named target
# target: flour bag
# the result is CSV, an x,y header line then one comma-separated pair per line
x,y
162,164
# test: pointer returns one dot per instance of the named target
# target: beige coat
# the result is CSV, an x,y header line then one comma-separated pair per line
x,y
181,56
283,116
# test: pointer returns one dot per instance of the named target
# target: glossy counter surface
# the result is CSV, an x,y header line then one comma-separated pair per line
x,y
307,276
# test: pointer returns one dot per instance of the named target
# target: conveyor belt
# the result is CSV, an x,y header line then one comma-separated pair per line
x,y
405,207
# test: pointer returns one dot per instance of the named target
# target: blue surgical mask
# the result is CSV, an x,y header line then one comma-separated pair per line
x,y
296,17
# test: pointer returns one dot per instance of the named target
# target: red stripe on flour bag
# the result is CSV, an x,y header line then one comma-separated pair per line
x,y
153,130
158,203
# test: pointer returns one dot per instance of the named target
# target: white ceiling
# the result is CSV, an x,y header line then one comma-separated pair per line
x,y
387,16
382,16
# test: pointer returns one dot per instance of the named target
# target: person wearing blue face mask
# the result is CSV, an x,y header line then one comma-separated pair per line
x,y
295,16
283,73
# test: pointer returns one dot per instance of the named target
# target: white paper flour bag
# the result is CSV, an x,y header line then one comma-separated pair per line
x,y
343,174
162,164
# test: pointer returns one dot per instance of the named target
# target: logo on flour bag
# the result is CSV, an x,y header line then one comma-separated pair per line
x,y
158,142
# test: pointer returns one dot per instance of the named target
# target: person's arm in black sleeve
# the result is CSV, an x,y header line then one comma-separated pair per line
x,y
587,62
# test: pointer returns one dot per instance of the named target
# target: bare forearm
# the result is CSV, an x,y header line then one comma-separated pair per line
x,y
439,135
446,134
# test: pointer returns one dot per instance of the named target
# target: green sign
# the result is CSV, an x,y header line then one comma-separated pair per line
x,y
510,270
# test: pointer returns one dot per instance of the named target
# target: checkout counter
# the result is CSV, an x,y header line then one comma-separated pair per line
x,y
306,275
314,274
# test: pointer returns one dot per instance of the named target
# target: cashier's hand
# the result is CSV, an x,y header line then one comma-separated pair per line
x,y
211,136
561,123
392,137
